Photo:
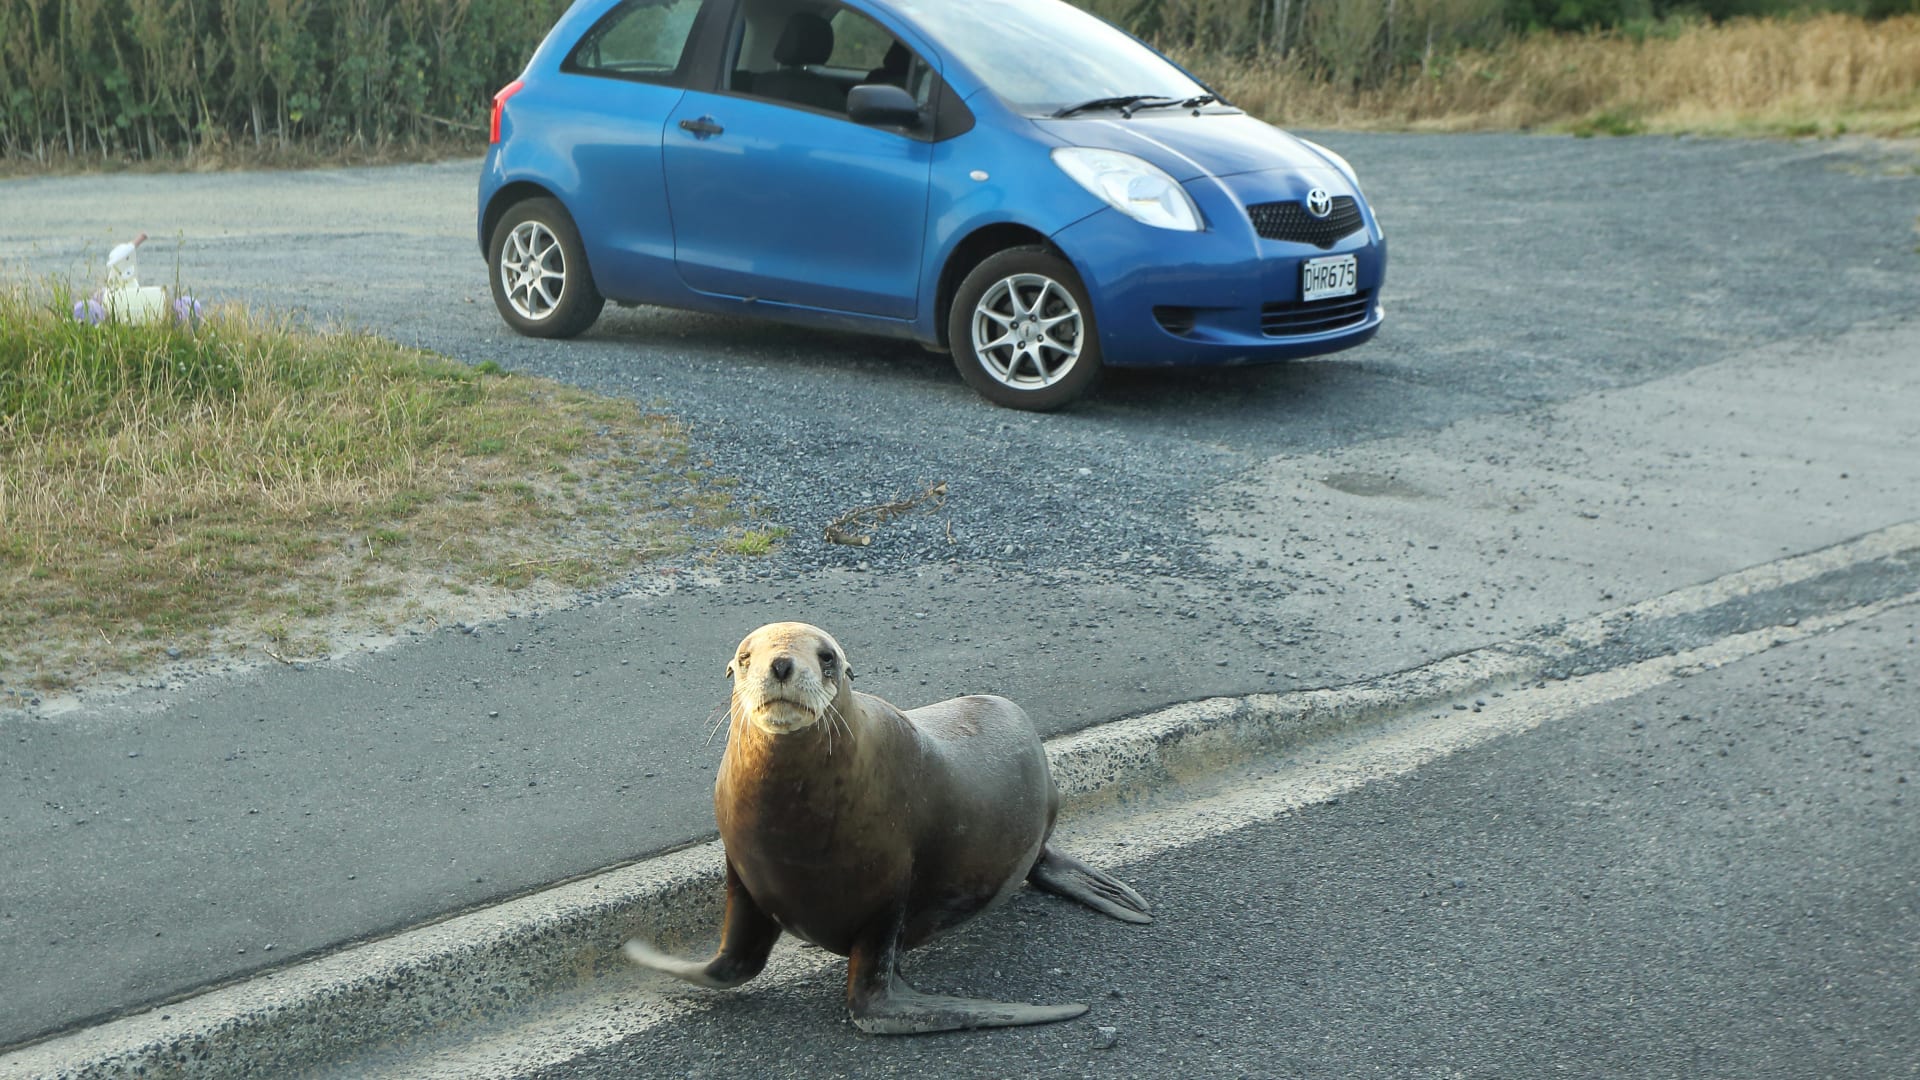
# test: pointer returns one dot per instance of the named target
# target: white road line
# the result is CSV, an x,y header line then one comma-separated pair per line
x,y
1755,579
1344,763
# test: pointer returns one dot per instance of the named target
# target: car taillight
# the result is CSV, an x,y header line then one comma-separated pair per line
x,y
499,104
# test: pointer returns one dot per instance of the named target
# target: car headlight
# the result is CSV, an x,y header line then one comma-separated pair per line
x,y
1136,188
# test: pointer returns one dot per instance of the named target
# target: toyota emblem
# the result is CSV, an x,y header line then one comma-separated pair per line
x,y
1319,203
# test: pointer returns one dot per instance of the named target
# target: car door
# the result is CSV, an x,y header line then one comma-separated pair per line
x,y
618,85
794,203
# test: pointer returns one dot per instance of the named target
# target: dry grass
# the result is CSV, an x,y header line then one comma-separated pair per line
x,y
1825,75
238,484
219,154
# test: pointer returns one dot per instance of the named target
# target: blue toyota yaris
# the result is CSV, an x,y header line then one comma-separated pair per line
x,y
1015,181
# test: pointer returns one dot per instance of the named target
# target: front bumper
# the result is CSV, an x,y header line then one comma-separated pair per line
x,y
1223,295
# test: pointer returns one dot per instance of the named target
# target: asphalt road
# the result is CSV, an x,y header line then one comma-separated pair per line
x,y
1718,877
1611,368
1692,865
1715,878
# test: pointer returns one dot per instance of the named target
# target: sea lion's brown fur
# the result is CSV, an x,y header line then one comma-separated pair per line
x,y
868,831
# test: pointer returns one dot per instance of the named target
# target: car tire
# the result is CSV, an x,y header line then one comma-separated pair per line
x,y
541,282
1022,332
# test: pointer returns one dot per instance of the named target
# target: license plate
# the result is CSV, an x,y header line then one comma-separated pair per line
x,y
1322,279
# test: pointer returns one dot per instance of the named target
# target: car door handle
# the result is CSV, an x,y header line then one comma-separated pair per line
x,y
703,127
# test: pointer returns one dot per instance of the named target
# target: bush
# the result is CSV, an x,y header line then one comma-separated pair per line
x,y
120,79
157,78
1608,14
1820,75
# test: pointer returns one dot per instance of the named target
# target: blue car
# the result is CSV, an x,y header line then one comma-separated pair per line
x,y
1014,181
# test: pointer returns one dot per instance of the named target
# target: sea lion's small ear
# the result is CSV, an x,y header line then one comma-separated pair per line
x,y
848,670
729,671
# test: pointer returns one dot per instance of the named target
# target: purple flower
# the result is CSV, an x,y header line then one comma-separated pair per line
x,y
89,311
187,311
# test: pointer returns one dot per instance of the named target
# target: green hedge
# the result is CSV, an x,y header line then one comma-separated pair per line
x,y
150,78
158,78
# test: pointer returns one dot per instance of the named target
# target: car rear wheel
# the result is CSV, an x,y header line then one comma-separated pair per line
x,y
1022,331
541,282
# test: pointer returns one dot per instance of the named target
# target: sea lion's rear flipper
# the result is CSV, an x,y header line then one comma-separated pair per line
x,y
1064,875
902,1010
882,1003
747,935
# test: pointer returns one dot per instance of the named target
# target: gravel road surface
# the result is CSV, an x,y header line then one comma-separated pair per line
x,y
1611,368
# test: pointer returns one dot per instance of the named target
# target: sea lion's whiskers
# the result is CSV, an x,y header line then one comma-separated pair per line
x,y
721,714
824,722
833,717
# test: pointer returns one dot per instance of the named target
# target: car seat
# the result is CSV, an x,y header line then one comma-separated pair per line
x,y
806,39
893,67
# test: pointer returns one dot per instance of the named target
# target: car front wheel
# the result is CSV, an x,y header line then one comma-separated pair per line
x,y
541,282
1022,332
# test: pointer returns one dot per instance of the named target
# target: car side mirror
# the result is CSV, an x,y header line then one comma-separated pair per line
x,y
882,104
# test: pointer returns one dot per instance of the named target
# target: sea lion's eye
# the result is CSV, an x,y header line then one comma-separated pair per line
x,y
826,661
741,660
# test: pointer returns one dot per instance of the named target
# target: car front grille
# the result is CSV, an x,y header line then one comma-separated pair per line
x,y
1289,221
1298,319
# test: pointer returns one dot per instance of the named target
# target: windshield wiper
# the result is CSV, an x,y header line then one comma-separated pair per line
x,y
1125,104
1168,103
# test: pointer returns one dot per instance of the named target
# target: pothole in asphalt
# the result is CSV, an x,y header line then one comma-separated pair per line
x,y
1374,485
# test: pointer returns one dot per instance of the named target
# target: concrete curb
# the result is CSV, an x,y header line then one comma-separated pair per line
x,y
482,964
479,965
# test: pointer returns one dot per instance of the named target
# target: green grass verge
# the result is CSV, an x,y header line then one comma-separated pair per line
x,y
246,483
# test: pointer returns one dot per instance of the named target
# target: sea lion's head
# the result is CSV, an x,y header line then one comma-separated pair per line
x,y
787,677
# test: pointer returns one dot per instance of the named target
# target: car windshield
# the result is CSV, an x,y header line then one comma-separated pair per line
x,y
1041,56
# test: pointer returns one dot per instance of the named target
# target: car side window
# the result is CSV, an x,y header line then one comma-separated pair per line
x,y
862,45
859,43
807,54
646,40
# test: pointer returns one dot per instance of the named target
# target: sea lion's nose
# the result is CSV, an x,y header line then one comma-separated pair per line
x,y
782,667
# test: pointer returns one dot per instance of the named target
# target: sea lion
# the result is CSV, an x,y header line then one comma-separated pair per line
x,y
867,831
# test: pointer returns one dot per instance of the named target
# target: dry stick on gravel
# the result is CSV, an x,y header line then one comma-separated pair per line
x,y
443,121
841,529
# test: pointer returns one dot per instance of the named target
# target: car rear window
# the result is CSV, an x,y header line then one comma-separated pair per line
x,y
638,39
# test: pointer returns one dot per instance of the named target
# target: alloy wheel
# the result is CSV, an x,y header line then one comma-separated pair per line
x,y
533,270
1027,331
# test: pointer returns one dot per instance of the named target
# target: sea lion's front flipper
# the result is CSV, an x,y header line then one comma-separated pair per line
x,y
882,1003
747,935
1064,875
